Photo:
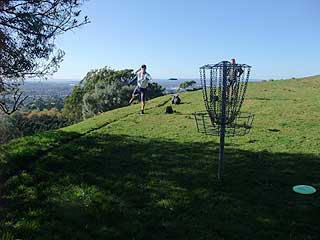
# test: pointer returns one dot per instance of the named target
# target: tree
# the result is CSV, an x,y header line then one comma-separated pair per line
x,y
105,89
73,104
28,29
186,84
155,90
102,90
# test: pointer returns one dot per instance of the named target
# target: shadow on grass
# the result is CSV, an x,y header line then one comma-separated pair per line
x,y
121,187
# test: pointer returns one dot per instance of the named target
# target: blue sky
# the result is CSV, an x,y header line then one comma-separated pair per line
x,y
280,39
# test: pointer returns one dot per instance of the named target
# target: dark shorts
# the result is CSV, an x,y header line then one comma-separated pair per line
x,y
140,91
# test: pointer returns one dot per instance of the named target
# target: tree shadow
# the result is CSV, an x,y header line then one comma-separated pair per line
x,y
102,186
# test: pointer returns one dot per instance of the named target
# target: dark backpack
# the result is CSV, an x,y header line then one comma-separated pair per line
x,y
176,99
169,110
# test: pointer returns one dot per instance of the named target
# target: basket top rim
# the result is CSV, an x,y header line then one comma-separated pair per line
x,y
224,63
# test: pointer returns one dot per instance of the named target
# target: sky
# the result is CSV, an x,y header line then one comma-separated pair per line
x,y
278,38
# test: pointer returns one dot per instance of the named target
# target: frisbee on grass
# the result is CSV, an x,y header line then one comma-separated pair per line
x,y
304,189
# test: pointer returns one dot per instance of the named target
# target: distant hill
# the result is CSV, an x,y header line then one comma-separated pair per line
x,y
120,175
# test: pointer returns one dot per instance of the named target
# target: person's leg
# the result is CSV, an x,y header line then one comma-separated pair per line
x,y
131,99
234,89
142,99
134,93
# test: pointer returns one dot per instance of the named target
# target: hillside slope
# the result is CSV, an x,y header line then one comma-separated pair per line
x,y
124,176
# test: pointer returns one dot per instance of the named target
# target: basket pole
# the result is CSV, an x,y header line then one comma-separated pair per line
x,y
223,122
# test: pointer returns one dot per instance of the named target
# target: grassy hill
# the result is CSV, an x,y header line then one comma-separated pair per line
x,y
124,176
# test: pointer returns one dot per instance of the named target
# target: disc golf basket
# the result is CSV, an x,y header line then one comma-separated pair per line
x,y
223,87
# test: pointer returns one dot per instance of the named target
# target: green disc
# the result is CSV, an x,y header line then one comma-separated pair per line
x,y
304,189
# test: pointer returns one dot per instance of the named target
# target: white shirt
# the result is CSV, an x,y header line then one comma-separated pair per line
x,y
143,79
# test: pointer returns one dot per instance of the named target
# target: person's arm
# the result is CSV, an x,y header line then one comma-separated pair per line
x,y
240,71
149,79
138,70
134,79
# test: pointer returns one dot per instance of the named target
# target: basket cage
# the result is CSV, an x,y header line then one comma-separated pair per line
x,y
233,79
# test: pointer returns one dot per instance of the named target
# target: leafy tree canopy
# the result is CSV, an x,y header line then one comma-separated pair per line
x,y
102,90
28,30
186,84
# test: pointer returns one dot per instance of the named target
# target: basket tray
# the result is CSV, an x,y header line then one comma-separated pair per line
x,y
239,127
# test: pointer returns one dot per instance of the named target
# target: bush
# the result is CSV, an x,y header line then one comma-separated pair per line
x,y
38,121
186,84
103,90
106,96
26,124
73,104
155,90
7,130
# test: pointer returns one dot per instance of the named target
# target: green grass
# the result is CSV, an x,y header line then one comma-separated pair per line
x,y
124,176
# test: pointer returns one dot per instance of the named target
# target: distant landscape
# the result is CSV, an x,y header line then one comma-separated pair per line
x,y
55,91
49,91
60,88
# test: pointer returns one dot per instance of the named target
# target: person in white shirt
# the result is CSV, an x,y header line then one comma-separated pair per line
x,y
233,74
143,79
